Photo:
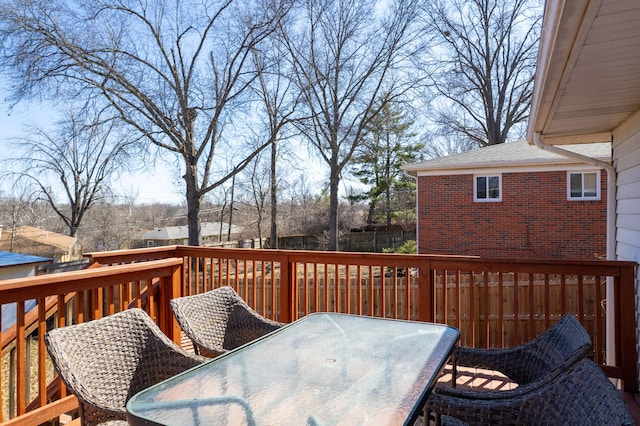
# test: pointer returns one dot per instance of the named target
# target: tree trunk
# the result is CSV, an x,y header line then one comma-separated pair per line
x,y
273,238
334,180
193,207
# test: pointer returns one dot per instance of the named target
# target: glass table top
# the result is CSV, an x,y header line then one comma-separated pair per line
x,y
324,369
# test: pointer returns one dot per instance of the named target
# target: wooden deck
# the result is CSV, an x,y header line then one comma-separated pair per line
x,y
286,285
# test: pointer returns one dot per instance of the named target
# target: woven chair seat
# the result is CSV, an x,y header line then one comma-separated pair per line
x,y
580,395
106,361
219,320
557,348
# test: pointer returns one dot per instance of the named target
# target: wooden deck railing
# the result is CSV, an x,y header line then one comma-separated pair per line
x,y
494,303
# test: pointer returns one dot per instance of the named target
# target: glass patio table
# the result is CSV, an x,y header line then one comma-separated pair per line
x,y
324,369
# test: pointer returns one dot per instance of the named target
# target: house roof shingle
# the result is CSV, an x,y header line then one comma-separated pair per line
x,y
28,237
512,154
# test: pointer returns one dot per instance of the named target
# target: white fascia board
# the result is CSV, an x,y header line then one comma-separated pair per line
x,y
503,170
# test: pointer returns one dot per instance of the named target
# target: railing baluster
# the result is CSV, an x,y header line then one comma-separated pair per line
x,y
487,329
599,332
371,292
407,286
516,310
458,297
42,371
472,309
501,309
336,288
359,289
316,289
21,360
581,297
547,302
394,280
347,284
305,284
532,308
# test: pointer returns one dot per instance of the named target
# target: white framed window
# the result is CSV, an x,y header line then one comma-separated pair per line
x,y
151,243
487,188
583,185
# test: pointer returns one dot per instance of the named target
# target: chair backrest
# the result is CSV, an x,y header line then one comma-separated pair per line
x,y
579,395
558,347
219,320
106,361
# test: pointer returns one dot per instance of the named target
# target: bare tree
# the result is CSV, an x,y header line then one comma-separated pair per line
x,y
344,54
257,190
70,169
305,211
482,66
110,226
279,101
175,71
19,208
443,144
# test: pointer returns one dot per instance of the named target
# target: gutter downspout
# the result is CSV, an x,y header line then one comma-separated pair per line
x,y
611,233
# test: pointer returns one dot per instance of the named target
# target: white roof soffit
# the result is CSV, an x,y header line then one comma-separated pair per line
x,y
587,80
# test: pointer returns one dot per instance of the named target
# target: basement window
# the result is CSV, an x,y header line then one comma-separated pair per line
x,y
487,188
583,185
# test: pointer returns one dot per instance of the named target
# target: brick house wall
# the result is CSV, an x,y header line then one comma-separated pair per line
x,y
533,220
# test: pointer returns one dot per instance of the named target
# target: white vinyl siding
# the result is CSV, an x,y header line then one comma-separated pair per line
x,y
626,158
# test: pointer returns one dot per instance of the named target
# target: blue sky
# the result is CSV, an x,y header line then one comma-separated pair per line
x,y
154,184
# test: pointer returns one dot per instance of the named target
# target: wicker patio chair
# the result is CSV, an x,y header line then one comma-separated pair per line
x,y
219,320
106,361
580,395
560,346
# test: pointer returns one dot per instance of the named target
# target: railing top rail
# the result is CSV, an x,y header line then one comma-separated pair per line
x,y
119,256
306,254
436,261
19,289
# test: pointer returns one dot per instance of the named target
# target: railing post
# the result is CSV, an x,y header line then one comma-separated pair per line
x,y
171,288
426,291
287,290
626,328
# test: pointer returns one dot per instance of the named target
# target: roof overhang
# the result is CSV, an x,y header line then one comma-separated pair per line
x,y
587,79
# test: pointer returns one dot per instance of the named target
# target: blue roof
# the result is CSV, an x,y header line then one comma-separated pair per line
x,y
10,259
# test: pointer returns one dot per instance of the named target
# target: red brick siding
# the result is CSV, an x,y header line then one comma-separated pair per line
x,y
533,220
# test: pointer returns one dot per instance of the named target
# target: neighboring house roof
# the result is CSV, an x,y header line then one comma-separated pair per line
x,y
207,229
13,259
512,154
28,237
586,82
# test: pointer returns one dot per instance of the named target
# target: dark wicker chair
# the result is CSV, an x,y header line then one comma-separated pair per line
x,y
557,348
580,395
219,320
106,361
